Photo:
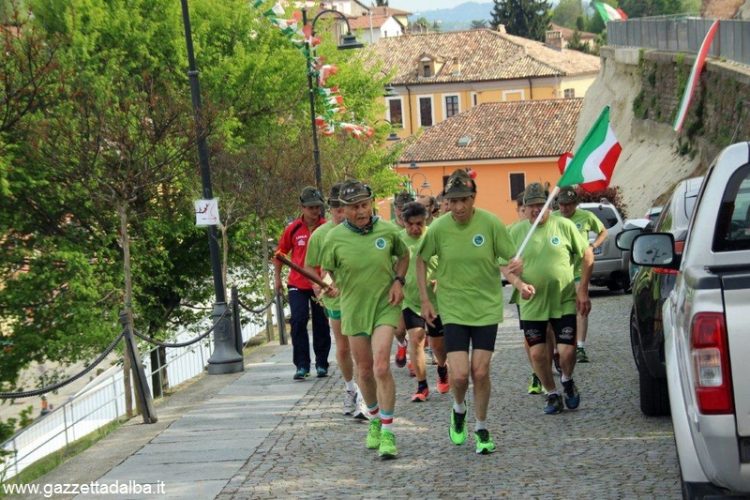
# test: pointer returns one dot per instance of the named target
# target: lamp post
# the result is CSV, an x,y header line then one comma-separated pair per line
x,y
225,358
425,183
348,41
392,135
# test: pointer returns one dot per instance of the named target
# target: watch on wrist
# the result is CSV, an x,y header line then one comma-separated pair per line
x,y
400,279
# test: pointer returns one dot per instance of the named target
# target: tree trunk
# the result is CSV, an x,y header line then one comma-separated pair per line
x,y
266,279
128,275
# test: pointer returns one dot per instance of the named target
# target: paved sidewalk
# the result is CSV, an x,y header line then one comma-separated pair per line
x,y
261,435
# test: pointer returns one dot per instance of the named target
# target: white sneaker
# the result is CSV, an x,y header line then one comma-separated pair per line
x,y
350,402
361,412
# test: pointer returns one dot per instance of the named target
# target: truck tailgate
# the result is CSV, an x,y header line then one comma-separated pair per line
x,y
736,290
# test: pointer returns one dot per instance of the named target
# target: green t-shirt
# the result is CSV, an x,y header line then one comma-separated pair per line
x,y
548,265
411,290
585,222
469,287
362,267
314,256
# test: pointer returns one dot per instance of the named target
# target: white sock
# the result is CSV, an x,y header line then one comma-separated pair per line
x,y
459,408
564,378
479,425
581,344
350,386
553,391
402,343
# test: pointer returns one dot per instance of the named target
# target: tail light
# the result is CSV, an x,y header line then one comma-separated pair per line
x,y
679,246
713,384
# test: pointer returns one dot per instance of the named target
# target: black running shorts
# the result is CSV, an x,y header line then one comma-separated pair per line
x,y
414,320
458,337
565,330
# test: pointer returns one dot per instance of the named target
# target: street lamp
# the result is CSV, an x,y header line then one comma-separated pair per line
x,y
425,183
392,136
348,41
225,358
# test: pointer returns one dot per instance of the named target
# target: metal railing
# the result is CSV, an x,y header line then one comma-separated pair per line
x,y
103,399
683,34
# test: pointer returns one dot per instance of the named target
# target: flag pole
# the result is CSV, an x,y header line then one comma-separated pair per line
x,y
536,222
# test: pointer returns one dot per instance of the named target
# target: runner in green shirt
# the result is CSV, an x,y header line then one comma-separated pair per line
x,y
315,249
468,242
586,222
359,255
415,229
548,293
399,200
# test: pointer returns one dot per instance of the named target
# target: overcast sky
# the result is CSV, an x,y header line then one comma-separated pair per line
x,y
420,5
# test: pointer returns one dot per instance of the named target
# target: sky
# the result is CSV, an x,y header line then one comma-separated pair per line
x,y
420,5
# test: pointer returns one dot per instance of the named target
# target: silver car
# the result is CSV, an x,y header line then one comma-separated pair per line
x,y
707,330
611,264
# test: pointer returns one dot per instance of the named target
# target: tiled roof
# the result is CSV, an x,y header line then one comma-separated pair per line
x,y
567,33
476,55
500,130
363,22
389,11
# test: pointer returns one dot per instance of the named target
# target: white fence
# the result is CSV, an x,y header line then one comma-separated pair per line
x,y
103,401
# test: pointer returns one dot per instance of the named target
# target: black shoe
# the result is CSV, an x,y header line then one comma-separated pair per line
x,y
572,398
322,372
554,404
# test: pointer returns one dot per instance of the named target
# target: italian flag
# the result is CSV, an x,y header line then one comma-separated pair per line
x,y
694,78
609,13
594,161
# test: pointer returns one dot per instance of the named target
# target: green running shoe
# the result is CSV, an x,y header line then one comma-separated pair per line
x,y
387,445
485,444
457,430
535,386
373,434
581,356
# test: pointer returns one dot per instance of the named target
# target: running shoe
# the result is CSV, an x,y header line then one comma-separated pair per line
x,y
350,402
361,412
581,356
556,362
572,398
322,372
535,386
485,444
442,384
410,367
421,395
387,447
373,434
554,404
457,430
400,355
301,374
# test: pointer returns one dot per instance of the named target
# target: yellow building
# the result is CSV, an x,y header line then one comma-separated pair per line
x,y
438,75
508,144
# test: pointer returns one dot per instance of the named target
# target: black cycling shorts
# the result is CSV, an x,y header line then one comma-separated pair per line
x,y
414,320
458,337
564,328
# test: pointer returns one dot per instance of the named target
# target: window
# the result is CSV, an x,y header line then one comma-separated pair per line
x,y
474,99
513,95
395,112
451,105
733,221
517,184
425,112
426,70
569,93
605,214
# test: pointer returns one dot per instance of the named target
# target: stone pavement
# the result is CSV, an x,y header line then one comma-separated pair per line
x,y
262,435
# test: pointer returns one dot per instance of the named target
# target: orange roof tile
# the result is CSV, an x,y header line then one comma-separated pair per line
x,y
477,55
501,130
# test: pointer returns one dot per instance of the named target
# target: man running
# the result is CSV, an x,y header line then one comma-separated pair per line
x,y
402,345
359,255
315,249
301,296
585,222
415,222
468,242
549,295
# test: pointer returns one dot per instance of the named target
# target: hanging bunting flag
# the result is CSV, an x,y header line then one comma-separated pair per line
x,y
694,77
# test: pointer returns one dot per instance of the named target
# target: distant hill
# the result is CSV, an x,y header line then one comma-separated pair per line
x,y
457,18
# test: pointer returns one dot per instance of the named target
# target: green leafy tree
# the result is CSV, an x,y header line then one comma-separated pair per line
x,y
381,3
645,8
567,12
479,24
526,18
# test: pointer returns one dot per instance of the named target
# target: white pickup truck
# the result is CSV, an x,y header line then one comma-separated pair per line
x,y
706,321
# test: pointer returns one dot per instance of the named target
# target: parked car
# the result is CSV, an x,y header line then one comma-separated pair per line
x,y
705,318
642,225
610,263
651,286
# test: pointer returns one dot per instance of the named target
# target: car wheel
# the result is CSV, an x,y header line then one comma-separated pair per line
x,y
654,395
635,341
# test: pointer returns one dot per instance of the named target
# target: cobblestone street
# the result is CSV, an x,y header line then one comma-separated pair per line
x,y
605,449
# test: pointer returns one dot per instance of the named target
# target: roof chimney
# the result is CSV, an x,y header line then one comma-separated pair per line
x,y
500,28
553,39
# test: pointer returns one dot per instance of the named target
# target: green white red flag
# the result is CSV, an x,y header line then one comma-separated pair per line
x,y
694,78
594,161
609,13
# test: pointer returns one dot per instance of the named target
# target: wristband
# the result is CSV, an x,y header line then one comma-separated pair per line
x,y
400,279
